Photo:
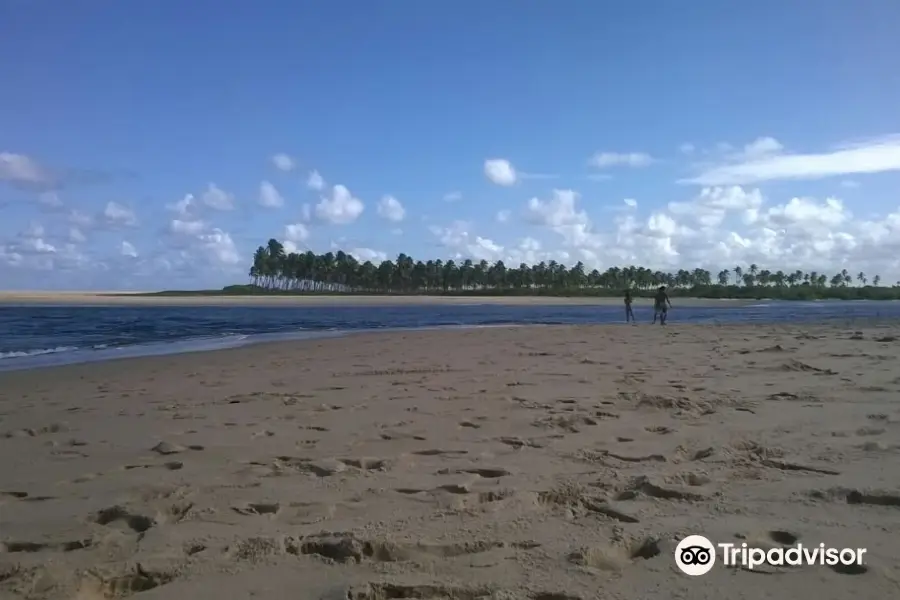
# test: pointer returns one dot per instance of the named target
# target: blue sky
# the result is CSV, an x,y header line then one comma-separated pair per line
x,y
666,134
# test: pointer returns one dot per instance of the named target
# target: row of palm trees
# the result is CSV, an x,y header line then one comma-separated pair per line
x,y
275,270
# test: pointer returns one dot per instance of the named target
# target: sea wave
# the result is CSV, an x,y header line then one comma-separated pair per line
x,y
38,352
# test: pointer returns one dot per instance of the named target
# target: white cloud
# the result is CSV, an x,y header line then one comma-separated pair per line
x,y
456,237
341,208
315,181
391,209
283,162
849,184
117,215
76,236
368,254
603,160
297,232
762,146
558,211
217,198
269,196
687,148
49,199
873,156
452,196
711,206
128,250
306,212
192,228
462,244
291,247
20,169
500,171
79,219
220,248
719,228
630,202
185,207
503,216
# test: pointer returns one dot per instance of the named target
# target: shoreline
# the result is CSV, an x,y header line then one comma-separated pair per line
x,y
76,299
85,357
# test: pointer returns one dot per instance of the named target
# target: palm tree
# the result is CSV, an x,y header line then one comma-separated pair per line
x,y
273,269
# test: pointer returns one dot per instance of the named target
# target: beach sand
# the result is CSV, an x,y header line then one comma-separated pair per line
x,y
541,463
130,299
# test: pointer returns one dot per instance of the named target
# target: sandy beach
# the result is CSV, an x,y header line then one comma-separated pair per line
x,y
120,298
534,463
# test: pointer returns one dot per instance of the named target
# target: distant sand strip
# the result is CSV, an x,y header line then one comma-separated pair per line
x,y
108,299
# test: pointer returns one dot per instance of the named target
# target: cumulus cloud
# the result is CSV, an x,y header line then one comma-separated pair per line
x,y
269,197
723,226
21,170
80,219
219,246
217,198
315,181
341,208
193,228
31,251
764,160
296,232
458,239
128,250
284,162
185,207
500,172
761,146
117,215
557,211
368,254
391,209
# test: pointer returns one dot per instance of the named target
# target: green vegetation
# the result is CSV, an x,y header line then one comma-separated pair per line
x,y
275,272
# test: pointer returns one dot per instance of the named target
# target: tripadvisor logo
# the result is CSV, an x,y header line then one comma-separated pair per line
x,y
696,555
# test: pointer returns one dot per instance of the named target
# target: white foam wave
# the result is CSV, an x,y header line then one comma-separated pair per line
x,y
39,352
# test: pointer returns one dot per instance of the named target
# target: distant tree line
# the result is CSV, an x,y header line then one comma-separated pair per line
x,y
275,271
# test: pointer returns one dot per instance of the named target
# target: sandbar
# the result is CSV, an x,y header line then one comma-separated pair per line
x,y
131,299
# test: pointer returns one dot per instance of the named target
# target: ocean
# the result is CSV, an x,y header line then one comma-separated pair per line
x,y
35,336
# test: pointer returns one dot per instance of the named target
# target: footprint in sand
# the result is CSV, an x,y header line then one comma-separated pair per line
x,y
259,508
70,546
166,448
117,514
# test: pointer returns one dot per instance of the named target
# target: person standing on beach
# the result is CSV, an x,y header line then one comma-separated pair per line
x,y
629,314
661,305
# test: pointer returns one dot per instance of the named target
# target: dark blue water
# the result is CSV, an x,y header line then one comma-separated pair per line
x,y
32,336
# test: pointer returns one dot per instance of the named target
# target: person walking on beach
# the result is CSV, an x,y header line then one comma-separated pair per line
x,y
629,314
661,305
